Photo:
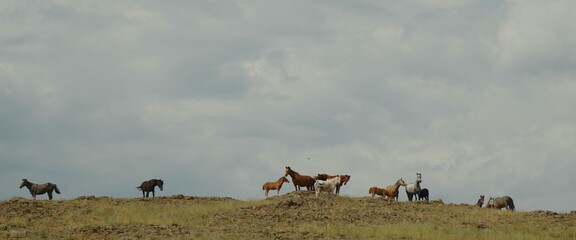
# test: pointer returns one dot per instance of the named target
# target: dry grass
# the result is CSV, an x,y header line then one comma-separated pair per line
x,y
295,215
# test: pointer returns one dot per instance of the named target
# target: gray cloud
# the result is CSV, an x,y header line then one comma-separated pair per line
x,y
217,97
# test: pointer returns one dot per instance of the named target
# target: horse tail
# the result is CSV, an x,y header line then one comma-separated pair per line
x,y
56,189
511,203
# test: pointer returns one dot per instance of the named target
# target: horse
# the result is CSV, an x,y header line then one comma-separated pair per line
x,y
39,189
480,202
300,180
326,186
424,194
414,188
393,189
377,191
344,180
274,186
148,186
501,202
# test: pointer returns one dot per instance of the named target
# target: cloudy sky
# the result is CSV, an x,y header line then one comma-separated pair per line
x,y
217,97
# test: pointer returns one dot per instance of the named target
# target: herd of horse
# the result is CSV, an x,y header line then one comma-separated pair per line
x,y
330,184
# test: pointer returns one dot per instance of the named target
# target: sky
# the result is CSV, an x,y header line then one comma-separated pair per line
x,y
218,97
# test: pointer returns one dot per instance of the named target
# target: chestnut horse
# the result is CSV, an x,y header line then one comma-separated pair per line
x,y
39,189
300,180
377,191
480,202
393,189
148,186
344,180
274,186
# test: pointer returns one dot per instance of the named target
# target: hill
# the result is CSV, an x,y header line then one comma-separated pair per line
x,y
291,216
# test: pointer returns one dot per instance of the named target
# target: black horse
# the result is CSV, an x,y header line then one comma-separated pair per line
x,y
423,194
39,189
148,186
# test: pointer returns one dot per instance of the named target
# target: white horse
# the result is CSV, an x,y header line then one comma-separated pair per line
x,y
326,186
413,189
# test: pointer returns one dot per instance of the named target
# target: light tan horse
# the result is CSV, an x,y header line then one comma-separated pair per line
x,y
274,186
393,190
378,191
480,202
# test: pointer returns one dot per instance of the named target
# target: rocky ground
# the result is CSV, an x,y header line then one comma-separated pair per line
x,y
289,216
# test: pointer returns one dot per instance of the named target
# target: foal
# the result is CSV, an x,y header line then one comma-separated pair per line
x,y
274,186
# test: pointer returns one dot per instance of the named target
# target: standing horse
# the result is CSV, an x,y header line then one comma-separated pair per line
x,y
377,191
392,191
326,186
501,202
148,186
39,189
274,186
344,180
424,194
414,188
480,202
300,180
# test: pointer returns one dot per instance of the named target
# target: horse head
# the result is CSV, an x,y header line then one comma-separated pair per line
x,y
490,203
24,181
345,179
284,179
160,184
287,171
401,182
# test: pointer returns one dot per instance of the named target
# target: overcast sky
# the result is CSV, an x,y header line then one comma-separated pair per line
x,y
217,97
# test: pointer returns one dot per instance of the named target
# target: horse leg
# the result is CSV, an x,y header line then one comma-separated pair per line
x,y
266,193
153,193
49,195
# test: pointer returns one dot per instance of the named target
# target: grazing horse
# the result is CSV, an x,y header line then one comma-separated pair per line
x,y
501,202
378,191
326,186
393,190
39,189
300,180
344,180
148,186
274,186
480,202
424,194
414,188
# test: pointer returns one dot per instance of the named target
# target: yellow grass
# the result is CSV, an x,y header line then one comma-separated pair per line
x,y
296,215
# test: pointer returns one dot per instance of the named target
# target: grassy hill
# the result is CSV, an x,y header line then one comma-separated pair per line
x,y
291,216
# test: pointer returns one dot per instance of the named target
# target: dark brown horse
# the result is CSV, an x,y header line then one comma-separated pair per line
x,y
343,180
148,186
300,180
274,186
39,189
480,202
424,194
